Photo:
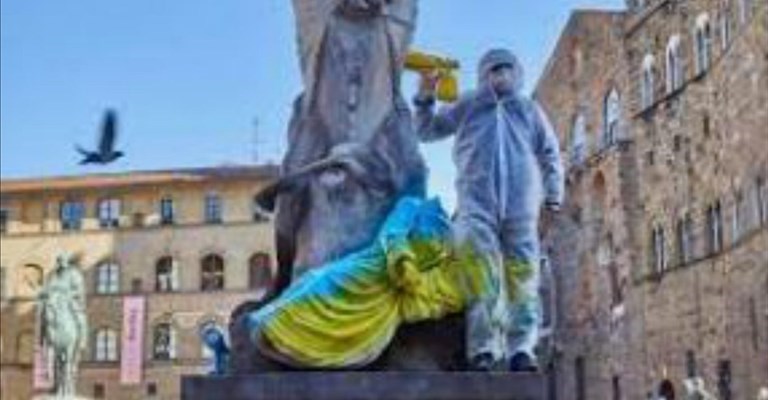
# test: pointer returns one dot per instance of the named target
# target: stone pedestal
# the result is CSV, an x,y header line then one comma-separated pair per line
x,y
366,385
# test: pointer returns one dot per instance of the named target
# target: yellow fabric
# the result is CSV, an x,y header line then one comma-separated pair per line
x,y
355,323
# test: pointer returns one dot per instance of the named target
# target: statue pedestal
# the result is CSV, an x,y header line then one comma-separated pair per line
x,y
366,385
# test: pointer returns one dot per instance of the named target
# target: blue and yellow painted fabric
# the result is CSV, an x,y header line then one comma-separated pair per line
x,y
345,313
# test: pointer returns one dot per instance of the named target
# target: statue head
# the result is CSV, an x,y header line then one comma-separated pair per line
x,y
63,261
500,70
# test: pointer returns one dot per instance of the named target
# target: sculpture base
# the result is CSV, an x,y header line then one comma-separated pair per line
x,y
366,385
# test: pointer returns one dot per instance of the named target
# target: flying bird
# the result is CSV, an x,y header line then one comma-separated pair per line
x,y
105,152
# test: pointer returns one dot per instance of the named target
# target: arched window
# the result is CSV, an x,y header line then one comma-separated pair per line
x,y
31,280
166,275
105,345
212,273
715,228
658,251
107,278
685,238
703,36
578,140
611,117
164,341
674,65
647,95
260,271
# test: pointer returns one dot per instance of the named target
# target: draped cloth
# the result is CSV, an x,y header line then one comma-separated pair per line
x,y
344,314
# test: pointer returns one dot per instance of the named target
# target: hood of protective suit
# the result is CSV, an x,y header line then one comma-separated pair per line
x,y
497,57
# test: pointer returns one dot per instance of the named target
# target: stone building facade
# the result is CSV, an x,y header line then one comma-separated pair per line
x,y
189,242
661,254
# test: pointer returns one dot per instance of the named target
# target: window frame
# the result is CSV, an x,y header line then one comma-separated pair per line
x,y
108,212
169,352
167,211
167,281
714,228
659,260
213,208
107,278
71,214
674,64
648,82
212,276
703,43
611,117
105,346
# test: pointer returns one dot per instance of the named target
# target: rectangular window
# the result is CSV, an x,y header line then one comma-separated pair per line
x,y
107,278
164,342
167,212
71,214
213,208
109,213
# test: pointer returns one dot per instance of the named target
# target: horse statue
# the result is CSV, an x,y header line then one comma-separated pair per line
x,y
63,325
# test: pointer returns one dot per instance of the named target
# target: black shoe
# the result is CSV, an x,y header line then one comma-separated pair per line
x,y
523,362
482,362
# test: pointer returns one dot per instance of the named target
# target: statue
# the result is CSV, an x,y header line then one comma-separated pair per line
x,y
63,324
352,120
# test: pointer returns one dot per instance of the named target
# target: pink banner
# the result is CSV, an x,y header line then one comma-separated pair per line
x,y
132,351
41,379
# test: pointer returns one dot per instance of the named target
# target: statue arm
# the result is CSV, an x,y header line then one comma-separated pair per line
x,y
548,153
432,126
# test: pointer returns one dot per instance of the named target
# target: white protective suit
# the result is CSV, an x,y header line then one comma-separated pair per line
x,y
509,165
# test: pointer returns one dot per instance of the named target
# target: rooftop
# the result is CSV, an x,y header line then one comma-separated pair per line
x,y
138,178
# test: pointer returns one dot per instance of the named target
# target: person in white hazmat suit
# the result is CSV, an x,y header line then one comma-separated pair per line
x,y
509,168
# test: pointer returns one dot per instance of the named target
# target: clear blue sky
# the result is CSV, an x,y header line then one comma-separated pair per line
x,y
188,78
